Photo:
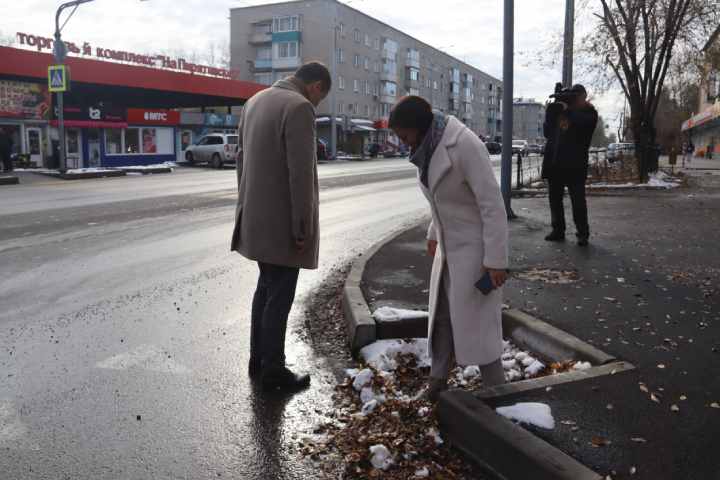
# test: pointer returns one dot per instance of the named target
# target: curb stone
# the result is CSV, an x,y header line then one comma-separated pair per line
x,y
482,434
9,180
147,171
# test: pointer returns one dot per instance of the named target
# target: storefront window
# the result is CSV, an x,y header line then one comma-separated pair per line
x,y
132,140
149,136
113,141
73,142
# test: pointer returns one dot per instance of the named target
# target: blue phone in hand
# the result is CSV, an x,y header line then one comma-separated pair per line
x,y
485,284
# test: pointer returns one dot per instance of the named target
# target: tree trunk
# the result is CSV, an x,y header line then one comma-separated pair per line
x,y
645,150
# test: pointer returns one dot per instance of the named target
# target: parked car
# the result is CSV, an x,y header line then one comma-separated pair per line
x,y
616,150
520,146
535,148
494,148
215,149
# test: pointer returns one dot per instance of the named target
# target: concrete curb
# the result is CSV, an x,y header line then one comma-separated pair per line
x,y
542,338
483,435
147,171
361,327
85,175
9,180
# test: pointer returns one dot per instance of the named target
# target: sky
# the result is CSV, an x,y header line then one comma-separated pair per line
x,y
471,30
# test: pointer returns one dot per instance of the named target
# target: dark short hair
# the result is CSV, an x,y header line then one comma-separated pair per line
x,y
315,72
412,112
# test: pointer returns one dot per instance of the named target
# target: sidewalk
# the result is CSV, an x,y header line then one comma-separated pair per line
x,y
647,291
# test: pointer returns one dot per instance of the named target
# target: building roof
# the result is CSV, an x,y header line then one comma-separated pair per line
x,y
26,64
374,19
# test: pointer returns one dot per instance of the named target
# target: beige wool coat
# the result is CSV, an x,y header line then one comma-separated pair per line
x,y
469,222
277,178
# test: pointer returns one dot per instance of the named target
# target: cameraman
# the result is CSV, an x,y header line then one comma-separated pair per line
x,y
569,125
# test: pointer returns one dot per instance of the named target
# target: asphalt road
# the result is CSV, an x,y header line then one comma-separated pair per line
x,y
125,317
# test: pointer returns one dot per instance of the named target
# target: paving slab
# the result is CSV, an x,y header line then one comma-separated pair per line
x,y
645,291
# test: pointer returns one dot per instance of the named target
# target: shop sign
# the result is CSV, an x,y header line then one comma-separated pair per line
x,y
41,43
218,120
139,116
701,118
101,112
24,100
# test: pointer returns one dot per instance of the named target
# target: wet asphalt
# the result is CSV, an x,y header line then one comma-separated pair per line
x,y
124,325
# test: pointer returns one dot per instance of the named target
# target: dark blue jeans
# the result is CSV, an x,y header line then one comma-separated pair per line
x,y
273,300
575,184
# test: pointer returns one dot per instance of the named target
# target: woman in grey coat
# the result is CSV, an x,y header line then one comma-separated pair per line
x,y
468,237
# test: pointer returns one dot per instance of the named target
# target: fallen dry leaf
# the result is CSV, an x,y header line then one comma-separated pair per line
x,y
600,442
661,366
638,440
675,408
714,405
683,397
633,470
644,388
654,398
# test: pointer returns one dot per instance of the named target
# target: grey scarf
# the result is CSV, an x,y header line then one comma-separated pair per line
x,y
421,156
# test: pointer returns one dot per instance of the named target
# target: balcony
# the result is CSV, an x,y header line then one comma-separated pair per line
x,y
388,76
264,64
387,98
286,63
412,62
411,83
260,38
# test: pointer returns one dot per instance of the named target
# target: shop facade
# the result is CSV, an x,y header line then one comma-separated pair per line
x,y
24,109
703,130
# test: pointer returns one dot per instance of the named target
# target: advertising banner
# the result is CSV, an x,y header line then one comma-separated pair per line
x,y
24,100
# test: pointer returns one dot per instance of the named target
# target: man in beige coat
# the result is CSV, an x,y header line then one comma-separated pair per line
x,y
276,221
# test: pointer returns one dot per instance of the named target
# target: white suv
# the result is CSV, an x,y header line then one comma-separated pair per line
x,y
215,149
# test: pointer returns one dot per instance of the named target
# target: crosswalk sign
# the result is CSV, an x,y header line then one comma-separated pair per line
x,y
58,78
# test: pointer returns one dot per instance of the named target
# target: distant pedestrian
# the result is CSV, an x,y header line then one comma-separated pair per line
x,y
277,221
710,150
569,125
6,147
688,153
468,237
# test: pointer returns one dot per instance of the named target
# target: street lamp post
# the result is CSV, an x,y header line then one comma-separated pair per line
x,y
569,38
333,95
60,52
507,118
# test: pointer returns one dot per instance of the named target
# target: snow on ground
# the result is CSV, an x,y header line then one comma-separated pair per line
x,y
382,355
149,167
537,414
657,179
75,171
389,314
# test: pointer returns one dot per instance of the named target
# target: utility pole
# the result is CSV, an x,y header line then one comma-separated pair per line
x,y
507,119
333,95
60,53
567,72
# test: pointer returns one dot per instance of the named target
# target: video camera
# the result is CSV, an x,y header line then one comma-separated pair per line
x,y
567,95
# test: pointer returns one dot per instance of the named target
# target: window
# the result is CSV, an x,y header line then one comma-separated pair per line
x,y
390,47
385,109
367,111
427,83
368,88
389,89
341,107
264,78
366,63
341,30
414,74
351,108
413,55
357,35
149,140
356,61
262,28
341,55
435,85
287,49
368,43
286,24
376,67
341,82
264,53
414,91
356,85
132,141
376,44
113,141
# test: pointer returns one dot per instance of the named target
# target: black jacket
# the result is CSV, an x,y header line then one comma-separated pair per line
x,y
568,135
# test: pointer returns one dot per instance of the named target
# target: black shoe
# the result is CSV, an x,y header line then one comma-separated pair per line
x,y
254,368
282,378
583,241
555,236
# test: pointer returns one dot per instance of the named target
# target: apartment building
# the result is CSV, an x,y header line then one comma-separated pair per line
x,y
374,65
528,118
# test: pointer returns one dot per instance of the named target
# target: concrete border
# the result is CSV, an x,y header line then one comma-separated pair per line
x,y
146,171
84,175
9,180
361,327
516,453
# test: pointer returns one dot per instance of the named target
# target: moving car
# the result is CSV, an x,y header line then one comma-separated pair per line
x,y
617,150
215,149
520,146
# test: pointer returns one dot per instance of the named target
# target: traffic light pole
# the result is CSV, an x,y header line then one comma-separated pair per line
x,y
507,119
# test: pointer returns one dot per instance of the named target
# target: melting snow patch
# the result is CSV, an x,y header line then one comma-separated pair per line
x,y
362,378
534,368
537,414
389,314
422,473
382,354
582,366
380,457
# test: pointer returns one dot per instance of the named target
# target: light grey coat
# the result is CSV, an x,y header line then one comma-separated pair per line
x,y
470,225
277,178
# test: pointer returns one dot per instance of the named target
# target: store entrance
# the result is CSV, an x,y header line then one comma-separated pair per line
x,y
72,147
93,138
34,145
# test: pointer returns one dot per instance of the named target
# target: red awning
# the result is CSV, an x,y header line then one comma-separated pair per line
x,y
90,124
26,63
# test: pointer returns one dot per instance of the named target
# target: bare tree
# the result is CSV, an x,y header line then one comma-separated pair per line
x,y
636,43
7,40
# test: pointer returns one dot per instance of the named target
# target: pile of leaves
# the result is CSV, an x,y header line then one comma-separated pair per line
x,y
406,427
